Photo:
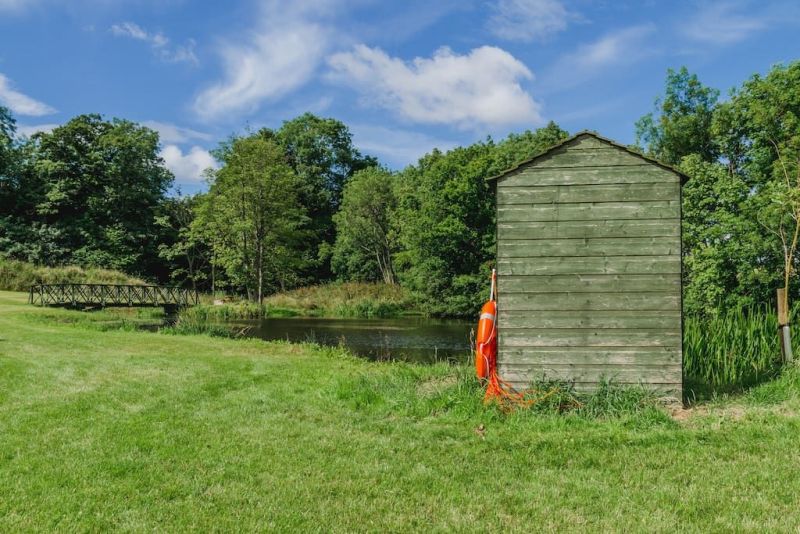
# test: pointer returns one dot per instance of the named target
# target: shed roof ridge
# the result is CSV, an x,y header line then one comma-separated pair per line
x,y
596,135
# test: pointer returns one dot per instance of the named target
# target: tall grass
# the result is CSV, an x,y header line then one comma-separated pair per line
x,y
19,275
734,348
343,299
393,388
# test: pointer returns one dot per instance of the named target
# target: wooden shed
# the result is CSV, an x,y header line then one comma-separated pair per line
x,y
589,268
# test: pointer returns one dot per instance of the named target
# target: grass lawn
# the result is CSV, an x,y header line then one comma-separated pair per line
x,y
145,431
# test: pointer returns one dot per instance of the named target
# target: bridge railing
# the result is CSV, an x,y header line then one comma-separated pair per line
x,y
113,295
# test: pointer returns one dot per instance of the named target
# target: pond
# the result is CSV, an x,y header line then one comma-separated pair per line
x,y
414,339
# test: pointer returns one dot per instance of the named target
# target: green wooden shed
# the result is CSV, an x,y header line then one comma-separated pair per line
x,y
589,268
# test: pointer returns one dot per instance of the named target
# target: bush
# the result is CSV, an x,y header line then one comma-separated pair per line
x,y
20,276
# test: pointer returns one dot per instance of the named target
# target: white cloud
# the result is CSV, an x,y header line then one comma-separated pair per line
x,y
723,24
13,5
19,103
171,133
612,51
27,130
188,167
527,20
130,29
280,55
481,87
397,147
158,42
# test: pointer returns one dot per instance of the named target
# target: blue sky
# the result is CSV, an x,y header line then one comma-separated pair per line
x,y
406,76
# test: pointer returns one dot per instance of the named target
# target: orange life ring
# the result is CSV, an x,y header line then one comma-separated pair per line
x,y
486,340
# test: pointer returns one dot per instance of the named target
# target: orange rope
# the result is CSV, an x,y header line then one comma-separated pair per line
x,y
500,391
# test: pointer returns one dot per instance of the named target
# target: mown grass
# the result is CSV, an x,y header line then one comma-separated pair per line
x,y
20,276
144,431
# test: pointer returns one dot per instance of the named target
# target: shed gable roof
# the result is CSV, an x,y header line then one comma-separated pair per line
x,y
595,135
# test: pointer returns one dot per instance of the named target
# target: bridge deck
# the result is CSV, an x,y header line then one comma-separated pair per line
x,y
111,295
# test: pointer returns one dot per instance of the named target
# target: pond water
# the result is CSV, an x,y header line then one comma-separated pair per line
x,y
415,339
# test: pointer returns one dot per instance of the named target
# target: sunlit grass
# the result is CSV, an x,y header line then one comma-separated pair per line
x,y
124,430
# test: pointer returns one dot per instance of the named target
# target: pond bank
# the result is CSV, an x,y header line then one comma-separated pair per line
x,y
337,299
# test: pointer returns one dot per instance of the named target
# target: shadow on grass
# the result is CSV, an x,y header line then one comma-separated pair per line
x,y
774,386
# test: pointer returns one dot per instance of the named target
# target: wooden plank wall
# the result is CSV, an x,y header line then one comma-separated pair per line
x,y
589,269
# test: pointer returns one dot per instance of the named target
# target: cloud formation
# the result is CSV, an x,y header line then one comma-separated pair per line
x,y
171,133
394,146
20,103
27,130
159,43
723,23
527,20
187,167
13,5
613,50
281,54
482,87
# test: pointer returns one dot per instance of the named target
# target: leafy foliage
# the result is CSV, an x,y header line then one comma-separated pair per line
x,y
682,123
87,193
364,239
321,153
445,219
252,218
742,201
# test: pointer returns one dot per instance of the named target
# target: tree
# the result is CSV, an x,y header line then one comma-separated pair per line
x,y
252,217
93,188
681,124
722,258
761,127
321,153
364,242
8,128
183,248
445,219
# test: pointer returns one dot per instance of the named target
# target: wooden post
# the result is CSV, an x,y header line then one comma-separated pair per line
x,y
784,333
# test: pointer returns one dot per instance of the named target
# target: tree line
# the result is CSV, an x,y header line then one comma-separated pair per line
x,y
300,204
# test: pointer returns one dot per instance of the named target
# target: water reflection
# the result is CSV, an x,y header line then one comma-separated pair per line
x,y
408,338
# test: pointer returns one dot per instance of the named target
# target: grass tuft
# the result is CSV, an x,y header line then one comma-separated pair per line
x,y
20,276
343,299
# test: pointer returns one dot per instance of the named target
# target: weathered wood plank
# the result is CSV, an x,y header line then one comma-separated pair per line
x,y
627,174
601,246
595,375
668,392
588,337
581,157
588,283
589,301
589,229
587,193
587,142
590,355
595,265
668,319
589,211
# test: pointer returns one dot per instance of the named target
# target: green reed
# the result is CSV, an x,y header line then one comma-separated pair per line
x,y
733,348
